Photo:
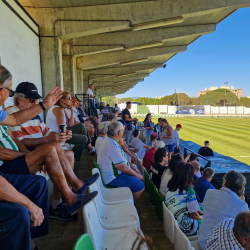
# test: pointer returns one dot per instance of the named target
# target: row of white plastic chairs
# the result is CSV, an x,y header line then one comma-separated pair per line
x,y
111,219
171,227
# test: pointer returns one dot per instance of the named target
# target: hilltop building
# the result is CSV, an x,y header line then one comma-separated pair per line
x,y
237,92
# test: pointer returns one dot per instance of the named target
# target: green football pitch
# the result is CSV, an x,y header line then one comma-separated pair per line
x,y
227,136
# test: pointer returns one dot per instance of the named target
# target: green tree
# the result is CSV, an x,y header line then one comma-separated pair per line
x,y
219,98
244,101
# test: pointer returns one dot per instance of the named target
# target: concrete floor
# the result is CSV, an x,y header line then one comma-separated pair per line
x,y
62,235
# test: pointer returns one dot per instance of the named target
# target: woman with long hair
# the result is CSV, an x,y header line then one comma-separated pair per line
x,y
175,161
56,116
181,200
148,125
167,137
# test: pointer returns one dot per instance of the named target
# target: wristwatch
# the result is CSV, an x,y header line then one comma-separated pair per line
x,y
42,106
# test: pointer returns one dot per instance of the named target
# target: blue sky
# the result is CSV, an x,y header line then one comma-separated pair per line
x,y
222,56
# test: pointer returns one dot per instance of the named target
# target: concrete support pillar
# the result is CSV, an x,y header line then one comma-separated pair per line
x,y
66,62
51,62
79,82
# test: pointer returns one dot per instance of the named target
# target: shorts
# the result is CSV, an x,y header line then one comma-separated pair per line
x,y
16,166
125,180
170,147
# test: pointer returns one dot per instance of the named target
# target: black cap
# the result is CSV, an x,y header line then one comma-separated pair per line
x,y
29,90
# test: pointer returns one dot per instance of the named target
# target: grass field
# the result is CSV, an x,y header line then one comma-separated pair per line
x,y
227,136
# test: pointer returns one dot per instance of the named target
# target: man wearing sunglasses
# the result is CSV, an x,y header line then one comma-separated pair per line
x,y
24,198
35,133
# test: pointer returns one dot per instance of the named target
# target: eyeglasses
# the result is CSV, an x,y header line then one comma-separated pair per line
x,y
32,101
11,92
68,98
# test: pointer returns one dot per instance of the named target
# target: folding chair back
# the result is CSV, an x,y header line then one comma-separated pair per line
x,y
158,204
83,242
146,180
168,223
152,190
181,242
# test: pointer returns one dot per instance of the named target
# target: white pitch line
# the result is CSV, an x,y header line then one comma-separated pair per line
x,y
240,156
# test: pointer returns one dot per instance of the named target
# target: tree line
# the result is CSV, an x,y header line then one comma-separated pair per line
x,y
218,97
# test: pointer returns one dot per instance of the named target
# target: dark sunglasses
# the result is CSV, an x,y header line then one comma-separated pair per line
x,y
11,92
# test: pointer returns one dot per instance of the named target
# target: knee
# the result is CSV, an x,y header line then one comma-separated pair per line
x,y
50,150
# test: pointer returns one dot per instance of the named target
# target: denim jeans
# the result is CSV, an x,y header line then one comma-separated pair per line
x,y
128,135
147,134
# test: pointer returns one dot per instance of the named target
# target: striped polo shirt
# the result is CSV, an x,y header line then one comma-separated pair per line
x,y
34,128
6,141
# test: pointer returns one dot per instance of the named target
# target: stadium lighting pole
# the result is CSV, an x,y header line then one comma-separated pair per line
x,y
225,92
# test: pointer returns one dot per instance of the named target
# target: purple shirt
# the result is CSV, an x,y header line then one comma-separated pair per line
x,y
148,123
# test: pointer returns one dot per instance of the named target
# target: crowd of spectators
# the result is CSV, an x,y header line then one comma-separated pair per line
x,y
27,145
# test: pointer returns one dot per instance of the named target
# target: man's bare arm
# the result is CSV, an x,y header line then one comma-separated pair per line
x,y
10,194
25,115
36,142
19,144
127,170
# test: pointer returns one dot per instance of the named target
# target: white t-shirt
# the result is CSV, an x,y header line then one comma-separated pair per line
x,y
98,142
110,154
177,138
90,92
119,110
167,175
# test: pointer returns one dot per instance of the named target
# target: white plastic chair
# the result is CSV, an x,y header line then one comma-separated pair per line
x,y
195,244
168,223
181,242
116,215
119,239
111,196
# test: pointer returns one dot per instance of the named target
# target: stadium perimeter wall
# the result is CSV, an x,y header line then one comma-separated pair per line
x,y
209,110
19,45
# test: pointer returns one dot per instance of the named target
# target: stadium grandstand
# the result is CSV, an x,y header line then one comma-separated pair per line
x,y
78,173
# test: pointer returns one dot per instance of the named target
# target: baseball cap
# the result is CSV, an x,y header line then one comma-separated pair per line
x,y
29,90
179,126
155,134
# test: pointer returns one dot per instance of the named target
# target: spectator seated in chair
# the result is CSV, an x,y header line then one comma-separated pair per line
x,y
206,151
115,168
231,234
158,167
202,184
197,166
223,203
149,157
80,136
175,161
103,129
24,198
137,143
181,200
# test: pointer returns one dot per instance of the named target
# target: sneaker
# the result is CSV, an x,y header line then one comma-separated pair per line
x,y
61,213
87,183
82,200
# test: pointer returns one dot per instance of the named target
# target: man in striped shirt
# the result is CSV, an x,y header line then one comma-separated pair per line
x,y
24,198
35,133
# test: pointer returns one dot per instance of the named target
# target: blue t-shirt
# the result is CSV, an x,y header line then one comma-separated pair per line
x,y
3,115
201,185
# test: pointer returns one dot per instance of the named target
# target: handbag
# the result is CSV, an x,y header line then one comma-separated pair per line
x,y
129,126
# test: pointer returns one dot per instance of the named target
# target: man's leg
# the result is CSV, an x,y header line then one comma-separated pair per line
x,y
47,154
57,197
18,220
14,226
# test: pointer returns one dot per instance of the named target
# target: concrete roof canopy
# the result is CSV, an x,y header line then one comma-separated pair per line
x,y
114,44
